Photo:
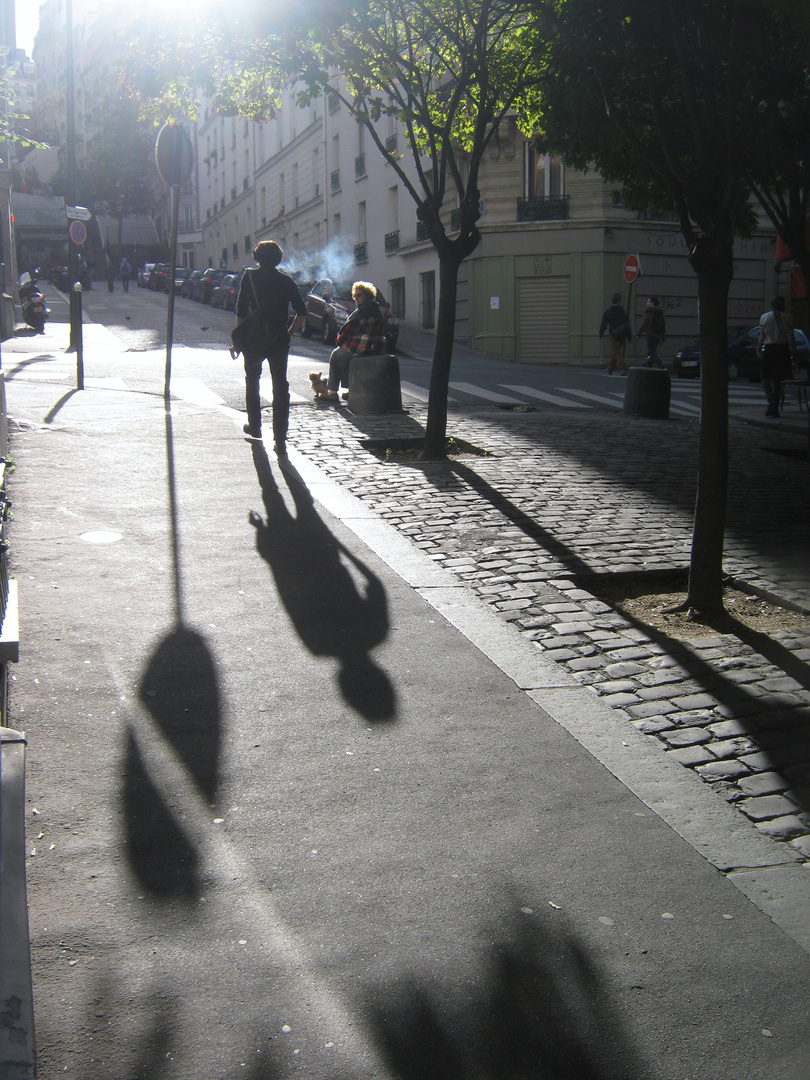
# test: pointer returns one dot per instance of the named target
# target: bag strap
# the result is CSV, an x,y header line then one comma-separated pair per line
x,y
258,309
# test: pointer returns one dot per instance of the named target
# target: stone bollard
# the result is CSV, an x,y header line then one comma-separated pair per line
x,y
647,393
374,385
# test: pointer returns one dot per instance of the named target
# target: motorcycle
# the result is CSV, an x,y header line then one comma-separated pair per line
x,y
34,309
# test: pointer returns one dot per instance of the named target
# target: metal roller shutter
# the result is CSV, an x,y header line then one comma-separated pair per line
x,y
543,313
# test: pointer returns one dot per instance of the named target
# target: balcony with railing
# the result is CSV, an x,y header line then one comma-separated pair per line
x,y
392,242
233,193
455,220
360,253
391,144
421,231
359,166
336,180
540,208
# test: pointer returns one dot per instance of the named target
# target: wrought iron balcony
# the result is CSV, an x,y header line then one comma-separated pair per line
x,y
336,180
360,166
392,241
421,231
539,208
391,144
360,255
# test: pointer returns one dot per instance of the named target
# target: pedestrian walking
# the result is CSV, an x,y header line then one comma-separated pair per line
x,y
125,273
617,322
362,333
654,328
776,348
269,293
110,275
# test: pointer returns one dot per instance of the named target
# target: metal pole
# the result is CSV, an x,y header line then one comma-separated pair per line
x,y
75,306
170,310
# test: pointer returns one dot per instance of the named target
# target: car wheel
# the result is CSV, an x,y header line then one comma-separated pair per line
x,y
327,335
733,370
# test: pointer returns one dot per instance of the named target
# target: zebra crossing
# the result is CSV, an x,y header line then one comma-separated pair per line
x,y
684,401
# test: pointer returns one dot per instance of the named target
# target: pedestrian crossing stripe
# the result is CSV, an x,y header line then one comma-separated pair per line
x,y
541,395
487,395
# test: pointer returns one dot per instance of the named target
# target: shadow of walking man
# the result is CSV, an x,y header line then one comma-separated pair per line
x,y
337,605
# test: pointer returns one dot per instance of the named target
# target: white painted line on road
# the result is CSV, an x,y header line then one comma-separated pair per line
x,y
487,395
419,393
541,395
594,397
107,384
685,408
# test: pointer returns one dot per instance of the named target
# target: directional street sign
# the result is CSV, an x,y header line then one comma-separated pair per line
x,y
77,213
78,232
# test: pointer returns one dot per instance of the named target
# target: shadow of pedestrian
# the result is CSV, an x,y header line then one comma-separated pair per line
x,y
543,1010
333,612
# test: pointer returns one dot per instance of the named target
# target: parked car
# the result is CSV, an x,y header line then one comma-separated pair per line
x,y
143,275
180,275
329,304
224,295
206,284
189,284
743,362
157,279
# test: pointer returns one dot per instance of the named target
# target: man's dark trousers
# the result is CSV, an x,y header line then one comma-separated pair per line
x,y
281,394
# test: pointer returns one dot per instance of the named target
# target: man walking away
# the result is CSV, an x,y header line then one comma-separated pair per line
x,y
654,328
616,321
125,270
775,347
269,292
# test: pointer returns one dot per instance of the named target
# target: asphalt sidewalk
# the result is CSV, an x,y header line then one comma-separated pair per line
x,y
304,800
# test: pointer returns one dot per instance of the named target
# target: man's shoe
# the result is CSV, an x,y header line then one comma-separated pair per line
x,y
250,433
280,449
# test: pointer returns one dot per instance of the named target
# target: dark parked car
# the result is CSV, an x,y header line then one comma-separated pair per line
x,y
743,362
190,283
158,277
329,304
207,283
181,273
224,295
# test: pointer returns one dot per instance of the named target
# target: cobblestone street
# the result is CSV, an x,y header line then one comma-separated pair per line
x,y
560,503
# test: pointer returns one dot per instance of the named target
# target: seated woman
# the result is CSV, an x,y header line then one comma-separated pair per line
x,y
362,333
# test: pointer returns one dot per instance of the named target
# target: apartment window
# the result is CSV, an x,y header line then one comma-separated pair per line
x,y
427,286
247,244
396,291
361,222
281,193
224,259
295,184
336,225
545,176
235,249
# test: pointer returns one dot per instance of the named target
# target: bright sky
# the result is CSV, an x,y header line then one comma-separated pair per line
x,y
26,16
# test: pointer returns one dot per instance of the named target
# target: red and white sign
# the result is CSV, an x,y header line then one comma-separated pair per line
x,y
632,268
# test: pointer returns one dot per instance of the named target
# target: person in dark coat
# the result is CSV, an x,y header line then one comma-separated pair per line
x,y
654,328
271,293
616,321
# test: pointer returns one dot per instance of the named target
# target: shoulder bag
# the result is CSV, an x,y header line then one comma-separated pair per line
x,y
252,336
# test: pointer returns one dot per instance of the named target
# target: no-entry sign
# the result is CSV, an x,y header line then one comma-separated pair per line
x,y
632,268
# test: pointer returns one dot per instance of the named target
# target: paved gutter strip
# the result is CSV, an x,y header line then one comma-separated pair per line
x,y
491,546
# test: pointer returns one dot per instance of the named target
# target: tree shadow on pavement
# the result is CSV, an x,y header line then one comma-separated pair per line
x,y
543,1010
317,581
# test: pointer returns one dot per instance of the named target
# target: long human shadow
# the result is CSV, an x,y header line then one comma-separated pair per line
x,y
332,614
541,1009
21,365
180,689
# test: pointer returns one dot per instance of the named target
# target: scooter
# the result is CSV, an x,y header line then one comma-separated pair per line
x,y
34,309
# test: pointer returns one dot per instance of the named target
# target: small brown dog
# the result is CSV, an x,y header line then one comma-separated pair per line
x,y
319,387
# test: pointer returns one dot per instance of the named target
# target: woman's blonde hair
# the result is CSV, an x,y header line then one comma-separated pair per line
x,y
366,287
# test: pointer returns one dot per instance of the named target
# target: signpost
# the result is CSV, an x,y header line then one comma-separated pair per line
x,y
632,268
78,232
174,157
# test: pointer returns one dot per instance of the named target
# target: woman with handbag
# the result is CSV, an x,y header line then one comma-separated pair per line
x,y
262,333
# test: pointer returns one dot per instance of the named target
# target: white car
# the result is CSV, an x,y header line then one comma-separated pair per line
x,y
143,275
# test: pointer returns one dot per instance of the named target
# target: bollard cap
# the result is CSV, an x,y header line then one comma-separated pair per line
x,y
77,286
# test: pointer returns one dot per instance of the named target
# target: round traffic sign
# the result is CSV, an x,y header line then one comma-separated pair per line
x,y
174,155
78,232
632,268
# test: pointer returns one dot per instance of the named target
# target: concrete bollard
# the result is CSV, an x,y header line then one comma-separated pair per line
x,y
374,385
647,393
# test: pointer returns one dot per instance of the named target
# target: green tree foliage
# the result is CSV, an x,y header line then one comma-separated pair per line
x,y
665,98
448,70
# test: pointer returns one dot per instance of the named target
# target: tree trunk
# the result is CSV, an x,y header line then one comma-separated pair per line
x,y
714,264
436,427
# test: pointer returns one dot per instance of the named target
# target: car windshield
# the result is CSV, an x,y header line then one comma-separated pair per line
x,y
341,290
